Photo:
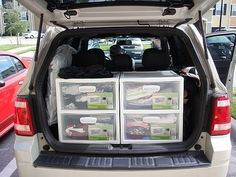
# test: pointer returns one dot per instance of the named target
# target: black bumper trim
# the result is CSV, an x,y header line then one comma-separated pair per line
x,y
176,160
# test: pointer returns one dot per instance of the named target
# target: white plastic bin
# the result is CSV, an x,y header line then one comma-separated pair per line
x,y
88,110
151,107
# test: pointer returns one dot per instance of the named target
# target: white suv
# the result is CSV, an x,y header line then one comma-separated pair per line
x,y
62,132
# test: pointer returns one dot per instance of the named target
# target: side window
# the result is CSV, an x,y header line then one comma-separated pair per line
x,y
7,68
221,46
18,64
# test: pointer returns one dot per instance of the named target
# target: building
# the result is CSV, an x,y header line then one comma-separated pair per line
x,y
228,15
207,21
25,15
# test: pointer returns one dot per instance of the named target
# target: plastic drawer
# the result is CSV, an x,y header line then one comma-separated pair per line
x,y
151,95
82,94
88,128
151,128
156,90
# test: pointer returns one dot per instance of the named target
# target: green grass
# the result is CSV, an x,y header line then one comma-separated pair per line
x,y
146,46
233,106
6,47
26,50
105,47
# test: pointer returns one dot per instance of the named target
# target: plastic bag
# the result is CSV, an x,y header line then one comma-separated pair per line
x,y
62,58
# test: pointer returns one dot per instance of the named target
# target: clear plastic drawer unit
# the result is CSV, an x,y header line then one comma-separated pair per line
x,y
130,108
88,110
151,106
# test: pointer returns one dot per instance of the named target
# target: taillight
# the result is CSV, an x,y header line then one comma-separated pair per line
x,y
221,118
23,122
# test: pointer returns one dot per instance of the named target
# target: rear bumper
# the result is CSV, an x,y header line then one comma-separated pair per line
x,y
217,151
26,170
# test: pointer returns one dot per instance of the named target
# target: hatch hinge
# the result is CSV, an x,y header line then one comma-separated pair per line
x,y
51,6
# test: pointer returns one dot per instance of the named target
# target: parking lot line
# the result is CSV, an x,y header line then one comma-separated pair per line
x,y
9,169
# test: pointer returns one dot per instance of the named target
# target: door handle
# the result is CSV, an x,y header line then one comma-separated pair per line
x,y
20,82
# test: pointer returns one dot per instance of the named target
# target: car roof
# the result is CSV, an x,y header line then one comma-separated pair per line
x,y
221,32
8,53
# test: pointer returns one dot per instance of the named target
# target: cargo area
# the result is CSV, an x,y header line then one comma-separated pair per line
x,y
129,93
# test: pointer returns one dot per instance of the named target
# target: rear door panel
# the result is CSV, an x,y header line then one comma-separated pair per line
x,y
221,48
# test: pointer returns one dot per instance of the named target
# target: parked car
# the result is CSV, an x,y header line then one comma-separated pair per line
x,y
13,70
225,29
204,147
32,34
131,46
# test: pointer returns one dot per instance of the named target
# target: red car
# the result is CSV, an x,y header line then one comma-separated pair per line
x,y
13,70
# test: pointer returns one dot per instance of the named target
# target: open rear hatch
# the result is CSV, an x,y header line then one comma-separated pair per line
x,y
76,13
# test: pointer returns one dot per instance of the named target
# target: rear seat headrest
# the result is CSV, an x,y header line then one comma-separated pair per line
x,y
155,59
91,57
122,62
97,57
115,50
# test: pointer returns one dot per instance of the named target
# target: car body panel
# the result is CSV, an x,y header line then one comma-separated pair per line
x,y
26,149
104,14
8,94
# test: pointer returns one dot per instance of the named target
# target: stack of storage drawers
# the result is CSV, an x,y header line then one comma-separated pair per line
x,y
131,107
88,110
151,107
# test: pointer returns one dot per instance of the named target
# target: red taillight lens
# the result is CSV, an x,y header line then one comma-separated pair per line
x,y
23,122
221,118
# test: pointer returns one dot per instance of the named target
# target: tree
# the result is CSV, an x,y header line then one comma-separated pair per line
x,y
14,25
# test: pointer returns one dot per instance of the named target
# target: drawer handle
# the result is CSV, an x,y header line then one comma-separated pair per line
x,y
87,89
151,119
151,88
169,118
88,120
